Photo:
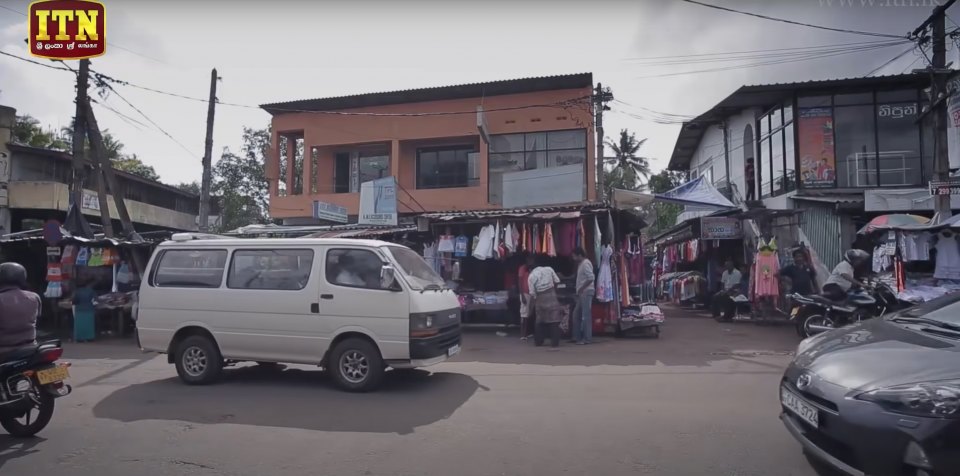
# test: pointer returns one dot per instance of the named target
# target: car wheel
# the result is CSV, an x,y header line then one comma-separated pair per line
x,y
356,365
198,360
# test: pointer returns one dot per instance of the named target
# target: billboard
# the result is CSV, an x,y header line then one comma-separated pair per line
x,y
818,164
378,202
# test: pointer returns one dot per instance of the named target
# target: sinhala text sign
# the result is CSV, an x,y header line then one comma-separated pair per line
x,y
720,228
378,202
67,29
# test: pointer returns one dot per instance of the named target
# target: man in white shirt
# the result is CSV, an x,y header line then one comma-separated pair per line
x,y
722,301
842,278
347,276
543,282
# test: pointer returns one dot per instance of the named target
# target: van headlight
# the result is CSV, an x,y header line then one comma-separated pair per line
x,y
939,399
422,321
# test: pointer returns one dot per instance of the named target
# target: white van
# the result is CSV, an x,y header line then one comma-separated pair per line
x,y
353,307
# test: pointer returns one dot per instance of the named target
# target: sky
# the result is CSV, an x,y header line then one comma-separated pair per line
x,y
272,51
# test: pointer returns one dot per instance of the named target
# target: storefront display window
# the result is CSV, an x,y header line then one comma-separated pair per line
x,y
446,167
899,144
856,146
530,151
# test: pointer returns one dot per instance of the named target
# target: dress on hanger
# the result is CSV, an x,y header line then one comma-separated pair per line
x,y
948,258
767,274
605,277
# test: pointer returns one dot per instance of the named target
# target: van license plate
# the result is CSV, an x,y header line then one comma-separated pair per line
x,y
799,407
56,374
453,350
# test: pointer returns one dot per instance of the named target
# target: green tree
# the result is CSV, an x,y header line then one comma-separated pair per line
x,y
191,187
662,216
625,162
241,184
28,131
129,163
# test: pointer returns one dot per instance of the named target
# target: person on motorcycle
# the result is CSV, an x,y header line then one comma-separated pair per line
x,y
842,278
19,309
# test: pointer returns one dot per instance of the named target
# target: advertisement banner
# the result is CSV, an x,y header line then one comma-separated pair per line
x,y
329,212
720,228
818,165
378,202
953,122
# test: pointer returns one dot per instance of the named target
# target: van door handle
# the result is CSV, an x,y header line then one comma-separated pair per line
x,y
315,307
326,296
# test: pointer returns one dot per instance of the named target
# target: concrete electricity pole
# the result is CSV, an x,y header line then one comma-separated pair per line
x,y
79,131
207,152
600,98
938,103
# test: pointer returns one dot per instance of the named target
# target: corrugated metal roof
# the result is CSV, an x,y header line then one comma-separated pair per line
x,y
363,232
842,199
460,91
571,210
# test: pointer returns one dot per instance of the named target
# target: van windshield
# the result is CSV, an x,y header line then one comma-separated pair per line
x,y
420,274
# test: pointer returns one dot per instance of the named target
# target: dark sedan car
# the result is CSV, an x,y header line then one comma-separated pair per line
x,y
881,397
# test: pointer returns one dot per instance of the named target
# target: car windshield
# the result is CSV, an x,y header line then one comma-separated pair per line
x,y
420,274
943,309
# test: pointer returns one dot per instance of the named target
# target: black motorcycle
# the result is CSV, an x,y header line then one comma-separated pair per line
x,y
816,313
30,380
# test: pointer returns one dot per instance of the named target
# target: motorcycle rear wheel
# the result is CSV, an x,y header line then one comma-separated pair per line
x,y
805,324
33,420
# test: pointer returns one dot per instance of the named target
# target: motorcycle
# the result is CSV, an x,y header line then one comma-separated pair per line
x,y
31,379
815,313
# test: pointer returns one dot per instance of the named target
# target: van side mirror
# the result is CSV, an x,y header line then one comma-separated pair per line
x,y
388,278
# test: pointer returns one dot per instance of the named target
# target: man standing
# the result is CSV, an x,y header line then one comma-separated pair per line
x,y
582,324
802,278
730,287
543,282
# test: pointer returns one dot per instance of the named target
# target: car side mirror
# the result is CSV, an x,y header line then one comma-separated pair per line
x,y
388,278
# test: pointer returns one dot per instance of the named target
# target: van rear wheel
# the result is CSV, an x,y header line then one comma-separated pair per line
x,y
198,360
356,365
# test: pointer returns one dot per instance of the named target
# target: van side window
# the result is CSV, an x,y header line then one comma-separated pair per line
x,y
353,268
270,269
190,269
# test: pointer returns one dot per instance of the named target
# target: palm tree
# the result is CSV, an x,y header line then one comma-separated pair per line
x,y
626,159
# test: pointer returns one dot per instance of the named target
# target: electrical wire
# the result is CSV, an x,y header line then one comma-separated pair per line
x,y
721,58
768,50
123,116
28,60
797,23
891,60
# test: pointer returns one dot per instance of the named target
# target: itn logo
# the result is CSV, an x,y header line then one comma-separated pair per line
x,y
67,29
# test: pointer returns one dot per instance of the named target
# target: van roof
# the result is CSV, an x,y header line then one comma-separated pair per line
x,y
210,241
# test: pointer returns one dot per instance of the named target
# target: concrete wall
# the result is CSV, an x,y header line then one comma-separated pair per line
x,y
709,153
403,135
56,196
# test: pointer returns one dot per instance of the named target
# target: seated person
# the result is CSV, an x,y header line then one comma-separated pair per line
x,y
730,287
347,274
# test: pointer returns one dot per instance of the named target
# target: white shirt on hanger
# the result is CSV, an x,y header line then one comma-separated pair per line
x,y
484,249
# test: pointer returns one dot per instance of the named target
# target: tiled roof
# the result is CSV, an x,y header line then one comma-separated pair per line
x,y
460,91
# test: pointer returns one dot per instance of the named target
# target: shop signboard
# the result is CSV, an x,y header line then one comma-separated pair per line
x,y
953,121
329,212
378,202
818,163
720,228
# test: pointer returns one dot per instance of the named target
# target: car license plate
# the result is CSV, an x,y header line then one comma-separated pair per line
x,y
794,312
56,374
798,406
453,350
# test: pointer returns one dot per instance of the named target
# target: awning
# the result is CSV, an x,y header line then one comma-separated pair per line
x,y
698,192
841,199
566,211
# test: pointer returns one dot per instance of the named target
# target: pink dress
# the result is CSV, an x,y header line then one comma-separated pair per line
x,y
767,274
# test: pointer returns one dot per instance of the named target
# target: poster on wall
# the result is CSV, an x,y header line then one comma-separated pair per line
x,y
378,202
953,121
818,164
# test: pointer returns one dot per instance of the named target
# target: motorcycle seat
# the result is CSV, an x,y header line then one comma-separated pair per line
x,y
18,354
825,300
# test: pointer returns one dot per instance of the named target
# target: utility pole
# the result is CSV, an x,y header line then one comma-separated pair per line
x,y
79,130
207,152
726,156
600,98
938,103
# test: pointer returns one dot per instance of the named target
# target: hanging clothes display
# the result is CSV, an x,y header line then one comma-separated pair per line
x,y
948,256
633,260
914,246
604,286
549,247
767,270
597,245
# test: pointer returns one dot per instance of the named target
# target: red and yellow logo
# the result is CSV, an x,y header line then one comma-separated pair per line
x,y
67,29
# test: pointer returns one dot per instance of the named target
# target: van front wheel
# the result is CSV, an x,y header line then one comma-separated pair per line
x,y
198,360
356,365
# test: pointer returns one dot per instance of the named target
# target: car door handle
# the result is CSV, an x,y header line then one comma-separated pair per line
x,y
326,296
315,307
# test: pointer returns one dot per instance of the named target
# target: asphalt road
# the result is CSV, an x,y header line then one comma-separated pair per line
x,y
702,399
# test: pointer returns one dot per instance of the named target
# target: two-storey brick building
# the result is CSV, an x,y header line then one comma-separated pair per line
x,y
500,144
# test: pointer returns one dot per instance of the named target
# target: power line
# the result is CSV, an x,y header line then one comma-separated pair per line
x,y
28,60
761,54
769,50
127,118
891,60
811,56
792,22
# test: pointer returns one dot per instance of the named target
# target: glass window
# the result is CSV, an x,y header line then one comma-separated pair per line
x,y
813,101
765,168
445,167
298,158
270,269
373,166
535,141
764,126
853,99
899,139
282,184
790,157
559,158
506,143
787,113
190,269
576,139
341,173
535,150
902,95
856,146
418,272
749,164
776,161
353,268
776,119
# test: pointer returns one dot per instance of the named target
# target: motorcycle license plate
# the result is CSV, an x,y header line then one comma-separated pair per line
x,y
56,374
794,312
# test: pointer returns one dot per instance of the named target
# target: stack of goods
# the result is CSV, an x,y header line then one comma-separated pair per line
x,y
646,312
483,300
